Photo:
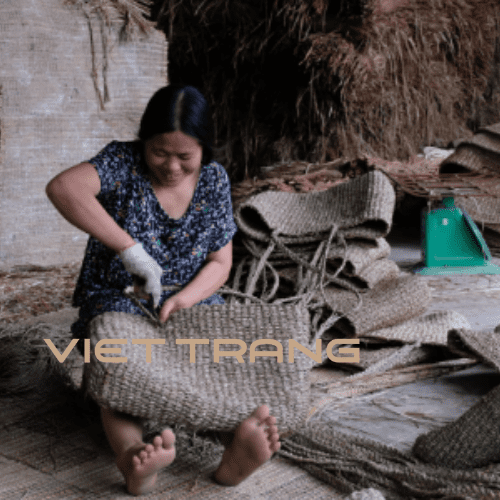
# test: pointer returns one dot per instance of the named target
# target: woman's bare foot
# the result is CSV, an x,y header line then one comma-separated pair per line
x,y
140,463
255,440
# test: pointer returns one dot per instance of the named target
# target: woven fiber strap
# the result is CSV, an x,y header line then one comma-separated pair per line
x,y
482,345
204,394
362,208
471,441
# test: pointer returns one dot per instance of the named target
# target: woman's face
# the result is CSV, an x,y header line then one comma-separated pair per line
x,y
173,157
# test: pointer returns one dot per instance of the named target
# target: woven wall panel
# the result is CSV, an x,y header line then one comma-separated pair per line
x,y
51,117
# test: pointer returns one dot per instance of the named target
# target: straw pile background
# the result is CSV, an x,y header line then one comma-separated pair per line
x,y
314,80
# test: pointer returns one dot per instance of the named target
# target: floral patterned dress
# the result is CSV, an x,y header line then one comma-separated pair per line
x,y
180,246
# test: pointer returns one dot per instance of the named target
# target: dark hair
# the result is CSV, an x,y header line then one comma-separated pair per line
x,y
179,108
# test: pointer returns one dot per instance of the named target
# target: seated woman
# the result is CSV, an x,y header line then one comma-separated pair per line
x,y
160,209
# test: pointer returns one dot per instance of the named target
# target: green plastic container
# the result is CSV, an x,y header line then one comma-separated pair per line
x,y
453,244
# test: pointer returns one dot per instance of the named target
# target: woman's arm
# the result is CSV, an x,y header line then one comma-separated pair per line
x,y
211,277
73,192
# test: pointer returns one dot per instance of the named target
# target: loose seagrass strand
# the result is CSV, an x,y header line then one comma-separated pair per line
x,y
353,462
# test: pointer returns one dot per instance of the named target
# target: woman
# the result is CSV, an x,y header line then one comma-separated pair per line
x,y
160,209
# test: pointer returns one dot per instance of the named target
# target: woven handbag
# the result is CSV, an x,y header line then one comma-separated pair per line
x,y
209,393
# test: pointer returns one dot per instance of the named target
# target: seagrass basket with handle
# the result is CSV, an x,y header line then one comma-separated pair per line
x,y
209,393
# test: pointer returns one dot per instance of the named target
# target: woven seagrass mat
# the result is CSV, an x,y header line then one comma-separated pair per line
x,y
483,345
385,305
471,441
481,153
429,329
362,208
205,393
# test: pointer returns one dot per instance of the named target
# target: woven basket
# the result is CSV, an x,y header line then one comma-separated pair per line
x,y
361,208
204,394
471,441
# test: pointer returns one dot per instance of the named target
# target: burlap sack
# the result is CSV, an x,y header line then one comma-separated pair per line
x,y
205,394
362,207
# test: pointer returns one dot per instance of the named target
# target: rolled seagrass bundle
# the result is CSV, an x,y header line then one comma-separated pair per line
x,y
387,304
471,441
361,208
191,385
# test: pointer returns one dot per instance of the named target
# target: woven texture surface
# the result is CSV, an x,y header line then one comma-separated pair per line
x,y
362,207
359,253
483,345
205,394
430,329
55,451
351,463
387,304
374,273
471,441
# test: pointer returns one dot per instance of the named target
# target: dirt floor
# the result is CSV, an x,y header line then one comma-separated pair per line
x,y
29,291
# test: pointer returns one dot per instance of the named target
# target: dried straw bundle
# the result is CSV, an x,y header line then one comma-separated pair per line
x,y
313,80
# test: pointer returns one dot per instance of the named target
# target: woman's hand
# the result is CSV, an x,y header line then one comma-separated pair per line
x,y
210,278
171,305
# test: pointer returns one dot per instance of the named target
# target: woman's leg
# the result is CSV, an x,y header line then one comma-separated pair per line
x,y
138,462
255,440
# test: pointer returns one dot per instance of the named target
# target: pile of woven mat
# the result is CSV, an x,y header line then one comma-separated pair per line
x,y
328,249
480,154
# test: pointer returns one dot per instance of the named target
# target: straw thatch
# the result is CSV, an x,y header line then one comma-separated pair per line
x,y
317,79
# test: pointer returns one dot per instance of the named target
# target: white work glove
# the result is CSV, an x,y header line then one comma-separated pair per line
x,y
139,263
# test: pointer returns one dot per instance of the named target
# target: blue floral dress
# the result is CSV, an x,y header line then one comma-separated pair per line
x,y
180,246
